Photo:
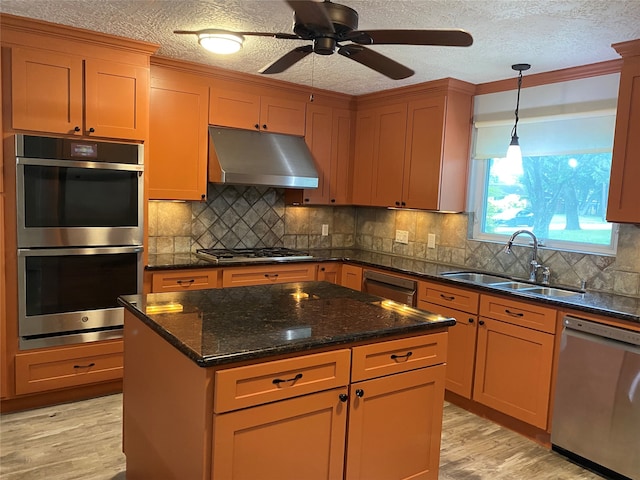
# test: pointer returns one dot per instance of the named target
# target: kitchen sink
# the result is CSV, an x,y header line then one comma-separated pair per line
x,y
483,278
513,285
552,292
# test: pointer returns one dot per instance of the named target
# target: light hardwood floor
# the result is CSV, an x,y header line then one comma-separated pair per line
x,y
82,441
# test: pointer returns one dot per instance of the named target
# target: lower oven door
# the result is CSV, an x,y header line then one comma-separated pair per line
x,y
69,295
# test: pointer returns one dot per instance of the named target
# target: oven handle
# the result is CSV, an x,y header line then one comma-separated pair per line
x,y
57,252
44,162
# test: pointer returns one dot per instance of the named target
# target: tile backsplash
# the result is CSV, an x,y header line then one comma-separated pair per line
x,y
236,217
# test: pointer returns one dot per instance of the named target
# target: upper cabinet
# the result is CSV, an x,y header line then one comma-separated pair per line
x,y
329,135
624,195
74,82
414,153
178,135
255,109
50,93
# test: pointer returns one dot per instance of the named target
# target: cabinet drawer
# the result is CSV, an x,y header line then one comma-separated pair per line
x,y
267,275
68,367
395,356
518,313
452,297
267,382
181,280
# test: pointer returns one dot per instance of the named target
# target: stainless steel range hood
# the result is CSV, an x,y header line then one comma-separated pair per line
x,y
246,157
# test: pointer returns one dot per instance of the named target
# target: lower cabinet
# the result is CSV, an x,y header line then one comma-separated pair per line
x,y
351,277
268,274
292,419
329,272
187,279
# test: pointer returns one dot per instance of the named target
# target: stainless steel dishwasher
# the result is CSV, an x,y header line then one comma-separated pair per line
x,y
398,289
596,415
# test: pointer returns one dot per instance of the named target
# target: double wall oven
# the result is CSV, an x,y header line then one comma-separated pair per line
x,y
80,234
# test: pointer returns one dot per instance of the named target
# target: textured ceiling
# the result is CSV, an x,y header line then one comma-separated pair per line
x,y
548,34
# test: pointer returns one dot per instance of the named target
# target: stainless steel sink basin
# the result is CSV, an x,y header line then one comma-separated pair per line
x,y
513,285
483,278
552,292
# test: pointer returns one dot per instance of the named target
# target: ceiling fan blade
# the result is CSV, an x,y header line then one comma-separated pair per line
x,y
286,36
376,61
287,60
448,38
311,13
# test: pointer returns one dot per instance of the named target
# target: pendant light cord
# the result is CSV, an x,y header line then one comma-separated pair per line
x,y
514,131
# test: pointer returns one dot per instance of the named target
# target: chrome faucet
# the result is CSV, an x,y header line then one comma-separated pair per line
x,y
533,264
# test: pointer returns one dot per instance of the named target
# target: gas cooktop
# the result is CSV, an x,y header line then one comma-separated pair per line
x,y
266,254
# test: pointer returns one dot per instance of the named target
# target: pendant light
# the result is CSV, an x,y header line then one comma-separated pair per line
x,y
514,153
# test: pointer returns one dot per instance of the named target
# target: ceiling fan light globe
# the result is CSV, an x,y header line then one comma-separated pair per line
x,y
221,43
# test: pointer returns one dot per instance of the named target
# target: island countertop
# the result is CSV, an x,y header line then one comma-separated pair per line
x,y
220,326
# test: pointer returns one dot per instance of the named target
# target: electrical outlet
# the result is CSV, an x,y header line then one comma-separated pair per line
x,y
325,229
402,236
431,240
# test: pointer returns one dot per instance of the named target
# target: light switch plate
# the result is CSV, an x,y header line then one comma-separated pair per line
x,y
325,229
431,240
402,236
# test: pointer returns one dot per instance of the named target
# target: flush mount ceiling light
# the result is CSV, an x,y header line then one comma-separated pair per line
x,y
514,153
220,41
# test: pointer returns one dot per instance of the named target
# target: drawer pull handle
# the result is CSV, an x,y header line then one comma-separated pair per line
x,y
447,297
269,275
180,282
513,314
278,381
92,364
406,355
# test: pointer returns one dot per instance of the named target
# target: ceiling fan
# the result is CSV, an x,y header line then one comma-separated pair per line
x,y
329,25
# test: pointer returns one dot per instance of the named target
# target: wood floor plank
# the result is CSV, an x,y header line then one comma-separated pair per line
x,y
83,441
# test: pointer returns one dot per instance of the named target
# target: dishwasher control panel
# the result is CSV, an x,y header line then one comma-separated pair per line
x,y
601,330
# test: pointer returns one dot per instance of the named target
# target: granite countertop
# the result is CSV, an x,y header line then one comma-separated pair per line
x,y
614,306
220,326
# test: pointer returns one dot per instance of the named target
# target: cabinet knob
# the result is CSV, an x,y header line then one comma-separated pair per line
x,y
306,200
333,200
359,393
403,204
76,129
397,204
257,126
481,322
203,196
322,269
343,397
91,130
470,320
264,126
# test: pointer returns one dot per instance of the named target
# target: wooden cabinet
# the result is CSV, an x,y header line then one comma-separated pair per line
x,y
329,272
178,135
351,277
41,370
329,136
4,364
268,274
462,305
415,153
624,196
514,362
231,106
182,280
51,93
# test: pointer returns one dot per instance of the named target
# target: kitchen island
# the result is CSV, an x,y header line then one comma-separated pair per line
x,y
290,381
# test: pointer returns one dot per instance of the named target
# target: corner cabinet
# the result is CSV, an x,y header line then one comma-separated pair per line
x,y
255,108
68,94
178,135
624,197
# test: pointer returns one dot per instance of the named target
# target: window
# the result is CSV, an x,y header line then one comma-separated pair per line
x,y
559,190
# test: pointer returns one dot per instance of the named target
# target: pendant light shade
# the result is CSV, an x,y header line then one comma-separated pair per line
x,y
514,153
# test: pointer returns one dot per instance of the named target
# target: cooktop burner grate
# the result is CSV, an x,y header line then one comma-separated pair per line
x,y
220,255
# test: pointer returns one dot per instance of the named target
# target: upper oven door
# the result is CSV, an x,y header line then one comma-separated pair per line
x,y
75,203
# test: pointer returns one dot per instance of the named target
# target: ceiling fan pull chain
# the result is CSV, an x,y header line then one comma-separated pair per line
x,y
313,64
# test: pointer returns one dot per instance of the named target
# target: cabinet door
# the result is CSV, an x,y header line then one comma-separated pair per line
x,y
513,370
341,155
351,277
280,115
178,136
395,424
423,156
461,348
363,157
233,108
391,129
299,438
318,137
329,272
116,100
624,195
46,91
